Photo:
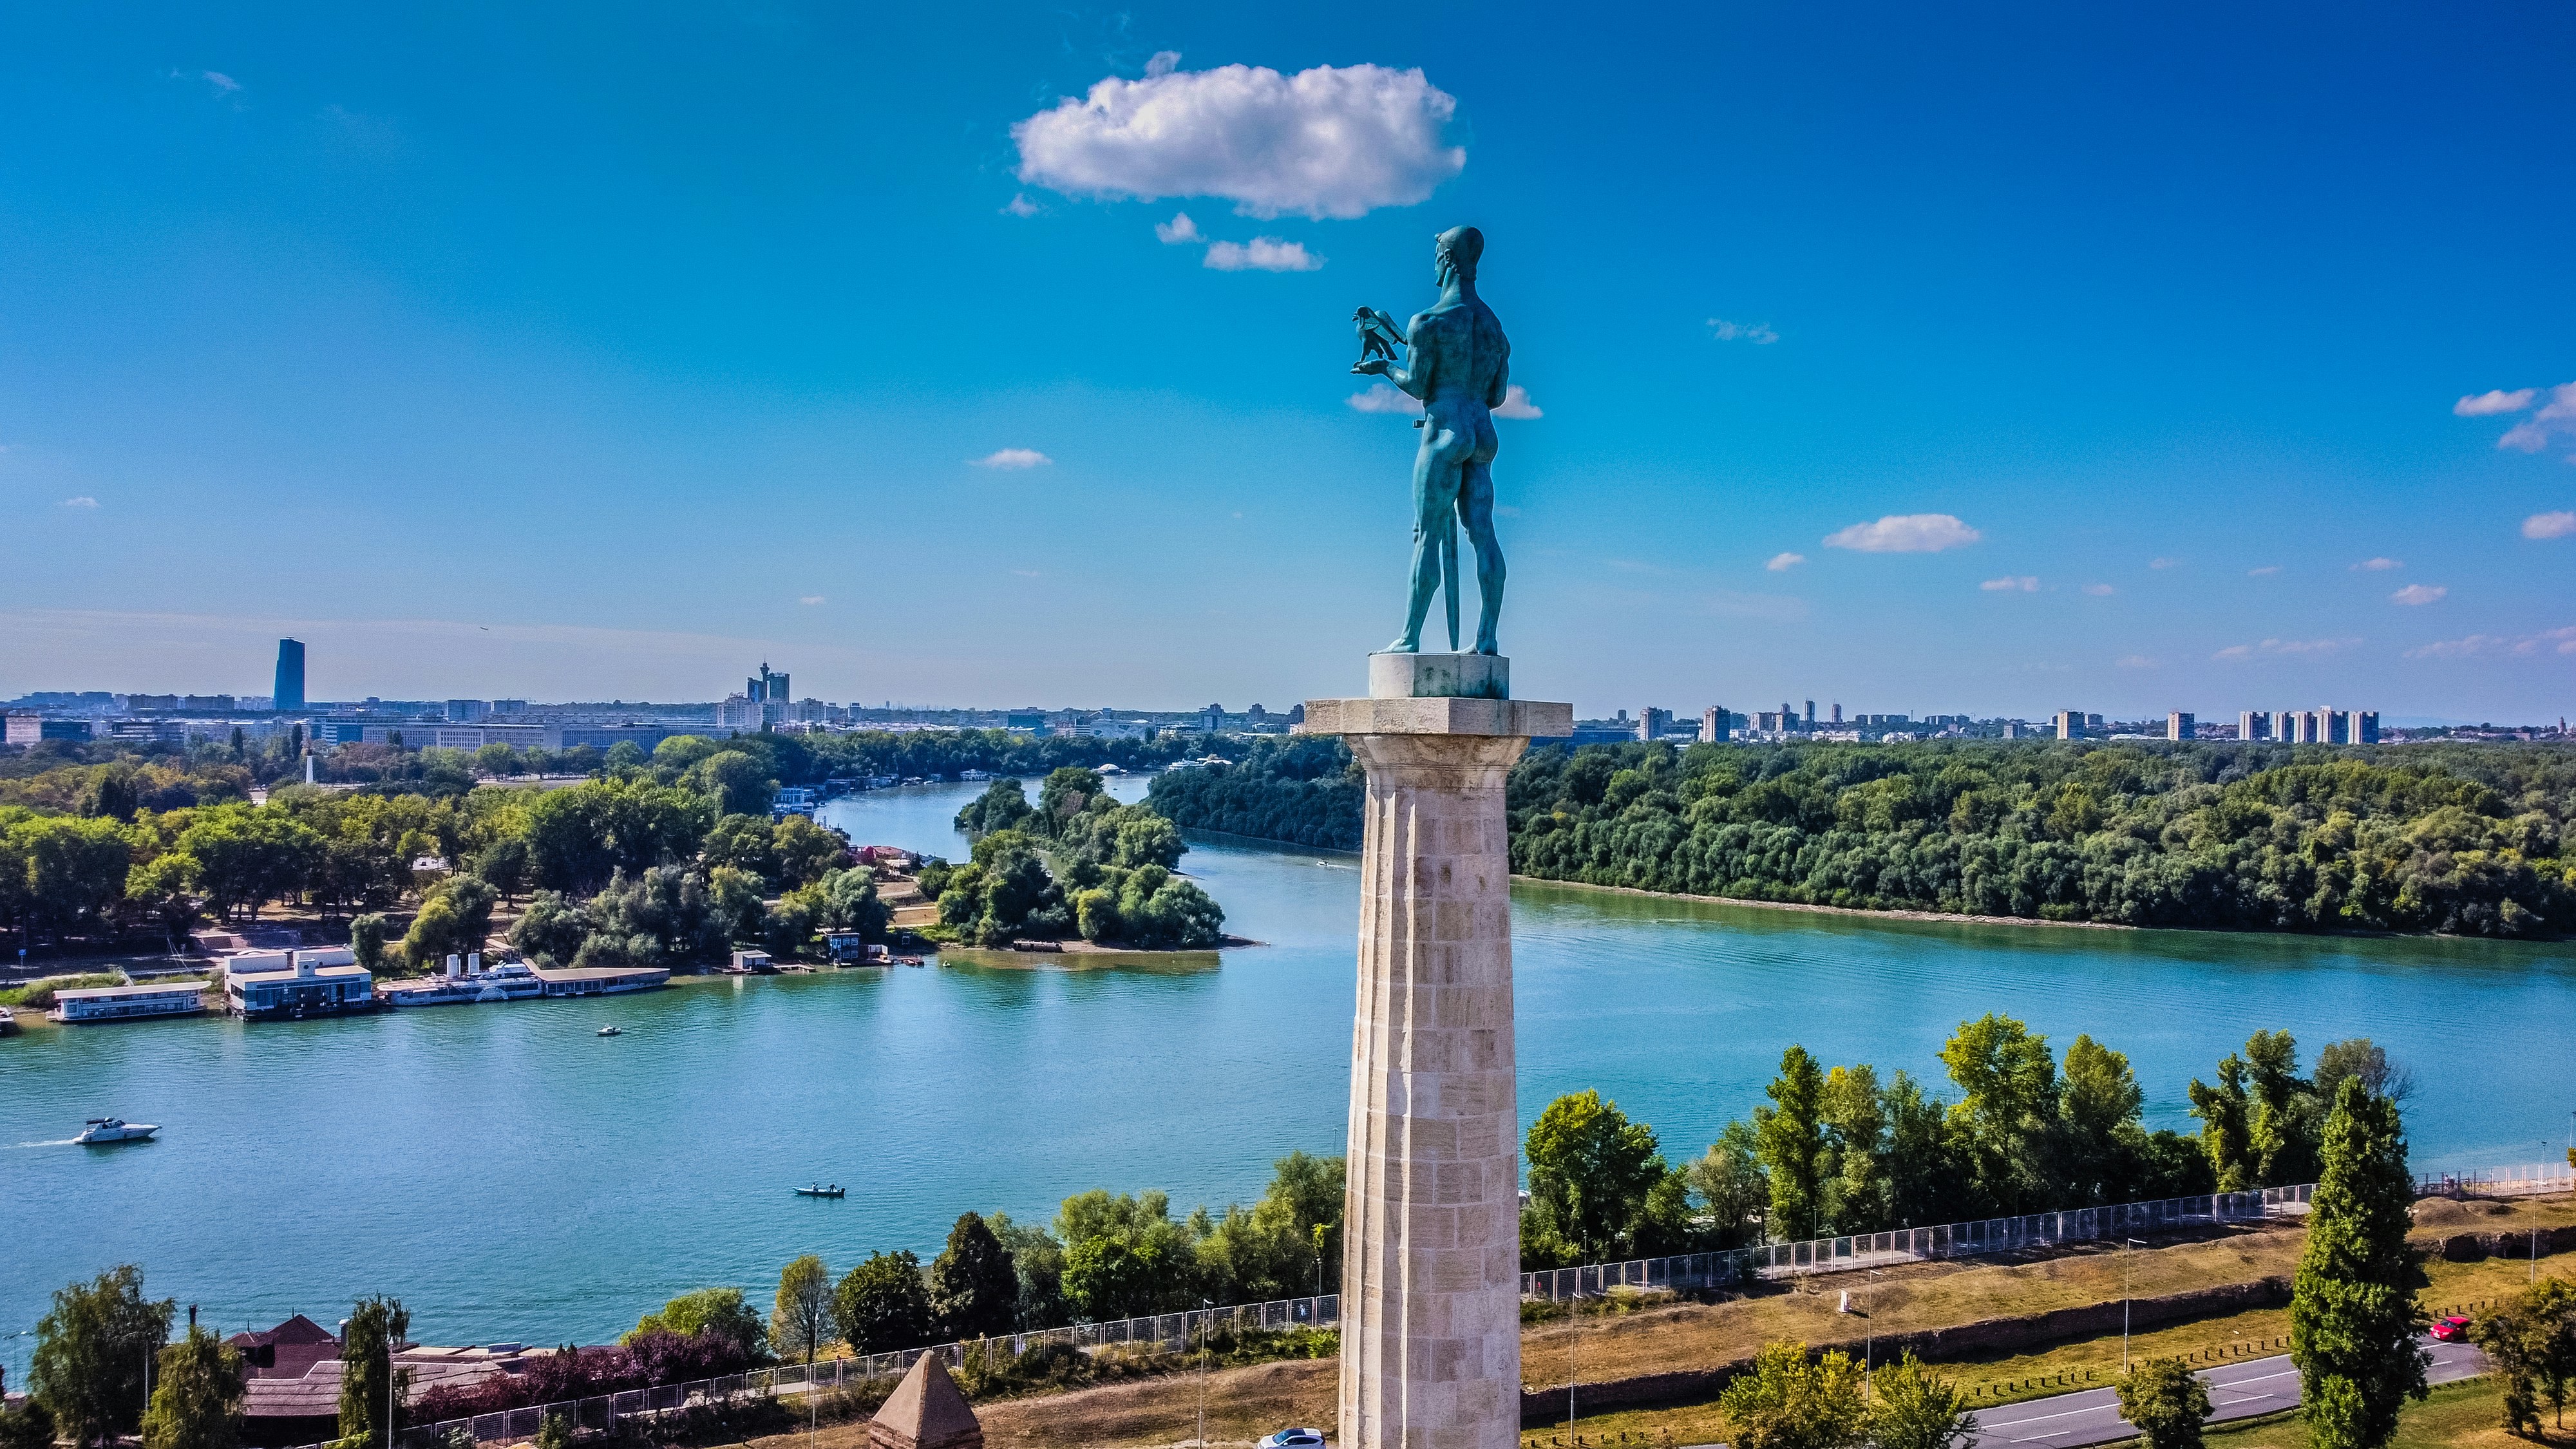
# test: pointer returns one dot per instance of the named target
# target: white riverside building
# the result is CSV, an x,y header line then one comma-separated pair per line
x,y
128,1003
270,985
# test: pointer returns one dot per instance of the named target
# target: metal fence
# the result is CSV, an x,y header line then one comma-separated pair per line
x,y
1911,1245
1177,1331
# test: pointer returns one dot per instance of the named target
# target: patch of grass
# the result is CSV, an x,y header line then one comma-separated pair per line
x,y
40,993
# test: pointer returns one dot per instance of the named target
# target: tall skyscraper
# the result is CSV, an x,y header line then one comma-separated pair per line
x,y
288,696
2180,725
1713,724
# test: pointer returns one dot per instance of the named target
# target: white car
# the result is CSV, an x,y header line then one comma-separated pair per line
x,y
1294,1439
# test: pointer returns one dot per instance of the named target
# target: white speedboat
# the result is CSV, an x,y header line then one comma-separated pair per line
x,y
103,1130
612,1031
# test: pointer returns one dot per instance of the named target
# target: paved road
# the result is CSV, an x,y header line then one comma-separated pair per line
x,y
2236,1391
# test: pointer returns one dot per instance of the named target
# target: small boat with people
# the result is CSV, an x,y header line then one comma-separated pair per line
x,y
822,1190
106,1131
612,1031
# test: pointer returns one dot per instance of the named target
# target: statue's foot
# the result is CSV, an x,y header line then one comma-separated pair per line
x,y
1403,646
1488,646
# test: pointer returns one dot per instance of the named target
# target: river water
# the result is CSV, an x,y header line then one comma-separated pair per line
x,y
511,1175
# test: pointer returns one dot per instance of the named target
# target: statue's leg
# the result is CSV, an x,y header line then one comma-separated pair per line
x,y
1432,526
1451,586
1476,508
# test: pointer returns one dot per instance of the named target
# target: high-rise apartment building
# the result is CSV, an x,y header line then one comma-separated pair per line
x,y
1652,722
468,711
2365,727
2070,724
2180,725
288,696
1713,722
2253,724
1811,714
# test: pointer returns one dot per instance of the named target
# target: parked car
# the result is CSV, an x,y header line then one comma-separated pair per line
x,y
2451,1328
1294,1439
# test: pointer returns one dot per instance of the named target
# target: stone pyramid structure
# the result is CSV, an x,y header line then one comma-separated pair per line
x,y
926,1411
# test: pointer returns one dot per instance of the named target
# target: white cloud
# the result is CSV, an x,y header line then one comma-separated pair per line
x,y
1178,231
2549,525
2265,572
2414,594
83,501
1384,397
1516,404
2100,591
2136,661
1262,254
223,84
1781,563
1020,205
2164,563
2557,415
1328,142
2488,404
2024,583
2284,646
1012,458
2377,565
1757,333
1905,533
811,599
2548,641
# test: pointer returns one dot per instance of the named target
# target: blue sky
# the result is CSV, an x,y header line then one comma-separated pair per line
x,y
592,352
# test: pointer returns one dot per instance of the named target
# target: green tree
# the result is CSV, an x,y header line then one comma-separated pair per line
x,y
882,1304
1066,793
804,852
2224,1112
723,1312
2282,1117
1856,1197
974,1286
2007,1109
2354,1325
372,1386
455,919
504,864
196,1396
2167,1402
1789,1401
554,1431
1004,805
2097,1119
1590,1169
800,1325
1115,1277
734,781
1732,1185
367,936
90,1354
1790,1134
76,869
1917,1409
1148,839
29,1426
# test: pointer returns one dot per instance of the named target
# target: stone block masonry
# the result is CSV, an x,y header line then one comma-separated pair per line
x,y
1431,1268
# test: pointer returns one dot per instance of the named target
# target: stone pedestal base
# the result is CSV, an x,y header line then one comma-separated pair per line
x,y
1447,676
1431,1256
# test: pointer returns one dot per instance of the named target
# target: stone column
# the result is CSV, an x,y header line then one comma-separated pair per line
x,y
1430,1312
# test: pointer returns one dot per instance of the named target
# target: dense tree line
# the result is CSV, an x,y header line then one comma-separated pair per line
x,y
1305,791
1076,862
1840,1150
2465,839
664,859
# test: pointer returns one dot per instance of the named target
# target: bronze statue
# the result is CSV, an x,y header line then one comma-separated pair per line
x,y
1457,364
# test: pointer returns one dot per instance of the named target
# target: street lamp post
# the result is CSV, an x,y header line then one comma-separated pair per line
x,y
2128,1255
1208,1307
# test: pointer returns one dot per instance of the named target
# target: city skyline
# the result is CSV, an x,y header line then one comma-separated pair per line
x,y
1939,367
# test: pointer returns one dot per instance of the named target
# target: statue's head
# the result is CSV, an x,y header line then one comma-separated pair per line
x,y
1457,250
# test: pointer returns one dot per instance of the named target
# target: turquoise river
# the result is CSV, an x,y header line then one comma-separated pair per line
x,y
513,1176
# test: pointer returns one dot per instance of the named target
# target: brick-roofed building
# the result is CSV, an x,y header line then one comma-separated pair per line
x,y
286,1351
926,1411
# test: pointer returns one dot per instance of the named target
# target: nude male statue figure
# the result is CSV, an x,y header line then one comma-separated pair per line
x,y
1457,364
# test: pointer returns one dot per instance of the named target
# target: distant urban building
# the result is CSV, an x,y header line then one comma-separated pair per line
x,y
1811,714
1838,714
26,727
604,738
1713,722
467,711
1212,718
508,707
2070,724
2179,725
1024,719
206,703
2365,727
289,693
2253,724
2016,730
151,703
1652,722
737,712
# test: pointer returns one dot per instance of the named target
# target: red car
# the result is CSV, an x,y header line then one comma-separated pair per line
x,y
2451,1328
